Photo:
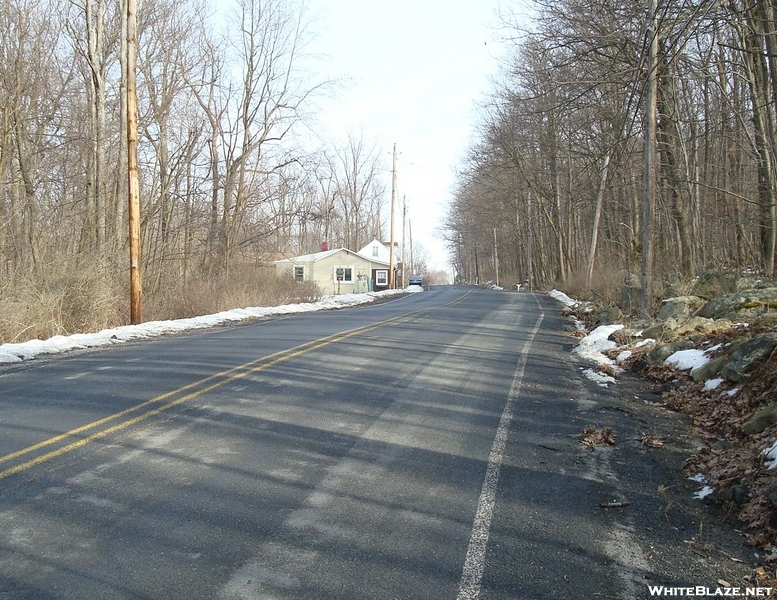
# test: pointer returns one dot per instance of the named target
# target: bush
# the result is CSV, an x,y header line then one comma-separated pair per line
x,y
86,294
210,292
605,287
60,297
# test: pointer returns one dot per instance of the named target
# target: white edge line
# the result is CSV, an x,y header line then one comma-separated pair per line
x,y
472,573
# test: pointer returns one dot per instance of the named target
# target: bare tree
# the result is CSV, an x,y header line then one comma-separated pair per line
x,y
266,108
34,87
172,127
574,94
356,167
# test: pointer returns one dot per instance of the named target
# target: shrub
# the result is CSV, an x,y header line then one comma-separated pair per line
x,y
210,292
60,297
70,295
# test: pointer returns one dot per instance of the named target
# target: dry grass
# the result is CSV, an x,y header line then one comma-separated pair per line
x,y
605,286
208,293
87,294
59,298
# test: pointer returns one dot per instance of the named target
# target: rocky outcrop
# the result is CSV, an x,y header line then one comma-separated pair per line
x,y
682,320
761,421
714,283
739,305
680,307
608,315
748,355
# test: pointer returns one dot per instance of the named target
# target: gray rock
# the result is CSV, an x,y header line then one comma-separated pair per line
x,y
656,331
664,351
744,358
761,420
661,330
747,303
709,370
697,325
680,308
765,320
712,283
608,315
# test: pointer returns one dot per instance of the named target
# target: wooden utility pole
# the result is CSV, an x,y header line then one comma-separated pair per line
x,y
529,243
496,258
649,198
136,313
392,283
404,223
412,260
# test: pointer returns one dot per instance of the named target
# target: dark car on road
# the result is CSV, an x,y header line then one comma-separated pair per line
x,y
415,280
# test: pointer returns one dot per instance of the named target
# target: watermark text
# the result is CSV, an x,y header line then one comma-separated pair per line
x,y
699,591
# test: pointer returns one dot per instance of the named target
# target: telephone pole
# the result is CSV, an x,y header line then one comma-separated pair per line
x,y
496,258
404,255
136,314
392,283
529,243
412,260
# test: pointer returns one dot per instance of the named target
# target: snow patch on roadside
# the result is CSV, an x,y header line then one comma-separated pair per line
x,y
599,378
771,456
593,346
18,352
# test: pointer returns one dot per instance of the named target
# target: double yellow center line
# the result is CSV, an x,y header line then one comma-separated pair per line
x,y
111,424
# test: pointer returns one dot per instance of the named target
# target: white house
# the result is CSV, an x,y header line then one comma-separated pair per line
x,y
378,250
382,251
338,271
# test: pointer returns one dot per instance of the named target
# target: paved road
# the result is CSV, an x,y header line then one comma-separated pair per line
x,y
419,448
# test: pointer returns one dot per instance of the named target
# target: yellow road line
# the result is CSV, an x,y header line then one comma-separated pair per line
x,y
222,378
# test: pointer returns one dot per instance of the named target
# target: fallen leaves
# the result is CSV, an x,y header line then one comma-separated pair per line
x,y
731,462
764,578
594,436
651,442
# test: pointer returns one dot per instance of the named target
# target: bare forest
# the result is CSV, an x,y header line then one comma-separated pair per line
x,y
232,172
553,190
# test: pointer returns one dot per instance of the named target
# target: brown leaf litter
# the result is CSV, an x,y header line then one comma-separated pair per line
x,y
594,436
731,462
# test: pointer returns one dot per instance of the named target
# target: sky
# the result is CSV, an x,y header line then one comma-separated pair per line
x,y
415,73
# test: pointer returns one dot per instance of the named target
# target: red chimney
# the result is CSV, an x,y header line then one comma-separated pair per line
x,y
324,246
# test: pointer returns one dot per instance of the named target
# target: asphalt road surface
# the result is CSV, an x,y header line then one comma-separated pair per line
x,y
424,447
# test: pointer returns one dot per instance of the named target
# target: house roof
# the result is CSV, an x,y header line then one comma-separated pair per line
x,y
316,256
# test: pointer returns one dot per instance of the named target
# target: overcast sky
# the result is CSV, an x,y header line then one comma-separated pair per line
x,y
417,70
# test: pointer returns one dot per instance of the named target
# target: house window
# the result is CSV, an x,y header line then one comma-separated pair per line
x,y
375,250
381,277
344,274
299,273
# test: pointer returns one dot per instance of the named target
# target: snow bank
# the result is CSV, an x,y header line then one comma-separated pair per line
x,y
771,456
595,344
18,352
683,360
601,379
562,297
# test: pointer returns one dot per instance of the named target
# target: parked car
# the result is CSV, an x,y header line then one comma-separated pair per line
x,y
415,280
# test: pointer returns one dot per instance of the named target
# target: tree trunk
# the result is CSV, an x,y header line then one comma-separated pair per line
x,y
597,219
